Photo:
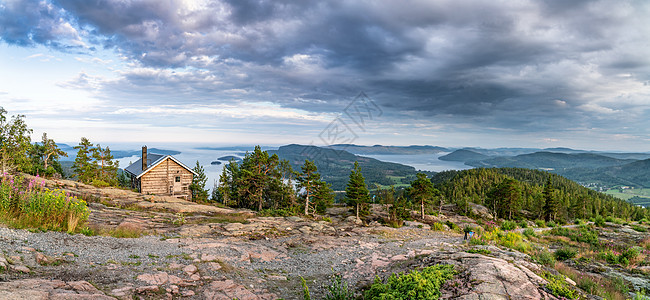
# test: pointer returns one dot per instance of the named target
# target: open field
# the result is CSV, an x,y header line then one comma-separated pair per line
x,y
636,196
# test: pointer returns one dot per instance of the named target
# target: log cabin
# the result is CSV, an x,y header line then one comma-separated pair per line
x,y
158,174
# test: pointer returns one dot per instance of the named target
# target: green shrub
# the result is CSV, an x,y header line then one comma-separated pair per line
x,y
609,219
523,224
544,257
87,231
564,254
588,285
451,225
339,290
582,234
551,223
559,287
508,225
477,241
437,226
529,232
28,204
540,223
631,253
100,183
609,257
639,228
414,285
599,221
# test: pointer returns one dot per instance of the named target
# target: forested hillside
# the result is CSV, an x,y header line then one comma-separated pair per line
x,y
635,174
552,160
463,155
335,166
570,200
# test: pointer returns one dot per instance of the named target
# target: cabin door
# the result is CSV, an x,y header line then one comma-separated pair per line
x,y
178,188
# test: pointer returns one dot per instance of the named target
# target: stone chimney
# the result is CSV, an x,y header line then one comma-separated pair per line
x,y
144,158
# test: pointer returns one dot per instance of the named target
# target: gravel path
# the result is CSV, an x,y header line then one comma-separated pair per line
x,y
267,266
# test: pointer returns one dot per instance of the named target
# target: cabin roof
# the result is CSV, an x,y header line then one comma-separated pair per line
x,y
152,161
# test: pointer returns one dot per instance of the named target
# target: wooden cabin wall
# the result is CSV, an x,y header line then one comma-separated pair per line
x,y
160,178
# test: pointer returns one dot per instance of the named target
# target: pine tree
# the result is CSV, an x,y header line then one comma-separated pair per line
x,y
84,168
550,201
287,176
422,191
323,197
228,184
51,151
356,192
106,173
256,171
197,187
308,181
505,198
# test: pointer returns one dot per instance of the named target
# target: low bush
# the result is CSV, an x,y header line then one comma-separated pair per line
x,y
529,232
582,234
551,223
540,223
599,221
338,289
564,254
639,228
28,204
544,257
512,240
508,225
437,226
523,224
609,219
559,287
451,225
415,285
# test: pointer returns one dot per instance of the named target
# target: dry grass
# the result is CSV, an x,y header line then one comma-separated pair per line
x,y
645,243
595,285
73,222
124,230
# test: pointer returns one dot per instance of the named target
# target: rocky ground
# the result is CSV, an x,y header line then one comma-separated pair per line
x,y
197,255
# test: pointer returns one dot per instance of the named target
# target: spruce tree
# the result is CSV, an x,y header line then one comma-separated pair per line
x,y
356,192
308,181
422,191
550,201
84,168
106,165
197,187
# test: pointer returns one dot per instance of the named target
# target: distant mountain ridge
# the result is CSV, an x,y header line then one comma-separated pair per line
x,y
551,161
335,166
463,155
388,150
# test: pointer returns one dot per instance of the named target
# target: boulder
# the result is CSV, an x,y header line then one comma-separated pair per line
x,y
480,210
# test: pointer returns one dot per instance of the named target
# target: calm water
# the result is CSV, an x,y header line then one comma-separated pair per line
x,y
190,155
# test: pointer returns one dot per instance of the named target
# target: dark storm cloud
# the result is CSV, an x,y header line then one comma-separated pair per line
x,y
529,65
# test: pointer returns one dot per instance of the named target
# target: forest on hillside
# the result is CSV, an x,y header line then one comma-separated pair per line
x,y
531,191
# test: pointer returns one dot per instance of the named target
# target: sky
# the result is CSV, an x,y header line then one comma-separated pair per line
x,y
450,73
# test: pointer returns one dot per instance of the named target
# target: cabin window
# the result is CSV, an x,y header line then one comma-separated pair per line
x,y
178,179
